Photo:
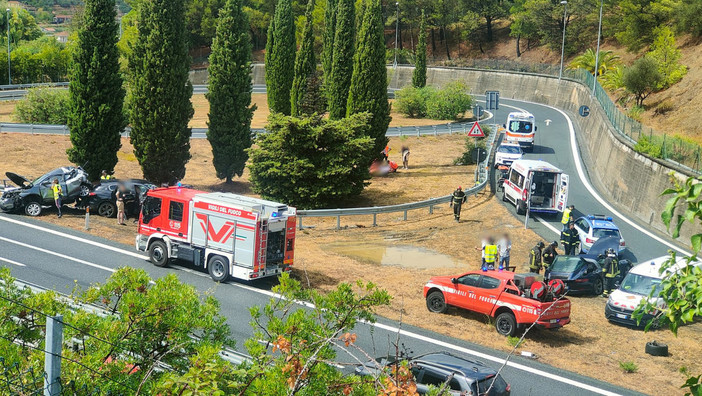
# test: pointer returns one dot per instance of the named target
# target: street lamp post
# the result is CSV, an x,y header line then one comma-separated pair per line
x,y
597,55
9,69
565,8
397,28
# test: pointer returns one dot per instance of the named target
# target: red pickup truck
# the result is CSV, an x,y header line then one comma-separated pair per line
x,y
513,299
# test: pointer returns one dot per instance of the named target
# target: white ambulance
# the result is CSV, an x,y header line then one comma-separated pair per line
x,y
226,234
537,183
520,128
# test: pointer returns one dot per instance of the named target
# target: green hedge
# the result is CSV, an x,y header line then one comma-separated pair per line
x,y
448,103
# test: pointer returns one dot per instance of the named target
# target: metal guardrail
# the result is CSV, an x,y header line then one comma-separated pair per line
x,y
484,167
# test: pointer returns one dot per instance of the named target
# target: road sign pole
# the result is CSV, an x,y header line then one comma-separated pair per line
x,y
477,165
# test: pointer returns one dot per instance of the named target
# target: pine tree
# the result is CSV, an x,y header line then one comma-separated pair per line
x,y
229,92
369,84
419,77
159,94
305,66
342,62
280,58
328,41
95,115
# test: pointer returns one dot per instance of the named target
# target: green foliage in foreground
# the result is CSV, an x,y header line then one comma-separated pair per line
x,y
676,301
312,162
448,103
43,106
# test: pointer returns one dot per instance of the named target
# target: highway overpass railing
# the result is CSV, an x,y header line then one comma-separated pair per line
x,y
483,173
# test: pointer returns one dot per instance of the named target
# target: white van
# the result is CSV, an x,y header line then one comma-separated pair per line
x,y
520,128
636,285
543,183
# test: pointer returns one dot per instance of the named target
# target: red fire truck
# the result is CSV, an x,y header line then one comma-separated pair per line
x,y
227,234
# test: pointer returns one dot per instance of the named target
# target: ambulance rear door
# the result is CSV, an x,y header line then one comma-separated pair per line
x,y
562,185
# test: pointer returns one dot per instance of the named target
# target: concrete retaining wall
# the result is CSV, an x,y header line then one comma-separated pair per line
x,y
631,181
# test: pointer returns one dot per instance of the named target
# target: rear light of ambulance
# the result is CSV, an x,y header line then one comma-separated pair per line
x,y
508,388
588,240
253,276
622,243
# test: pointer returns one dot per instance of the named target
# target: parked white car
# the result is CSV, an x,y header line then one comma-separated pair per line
x,y
507,153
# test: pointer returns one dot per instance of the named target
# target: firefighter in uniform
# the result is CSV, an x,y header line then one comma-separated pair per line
x,y
549,255
570,240
458,199
490,255
567,218
535,258
611,270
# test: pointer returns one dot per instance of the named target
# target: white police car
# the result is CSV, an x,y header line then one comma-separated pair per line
x,y
593,227
507,153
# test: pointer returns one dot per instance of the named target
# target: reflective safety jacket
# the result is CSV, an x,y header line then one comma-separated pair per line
x,y
56,188
459,197
535,258
490,253
566,216
611,267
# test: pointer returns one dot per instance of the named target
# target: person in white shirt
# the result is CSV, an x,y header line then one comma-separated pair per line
x,y
504,247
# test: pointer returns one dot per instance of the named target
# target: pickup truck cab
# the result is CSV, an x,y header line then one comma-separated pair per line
x,y
515,300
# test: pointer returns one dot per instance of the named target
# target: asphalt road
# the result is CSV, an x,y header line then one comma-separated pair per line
x,y
56,258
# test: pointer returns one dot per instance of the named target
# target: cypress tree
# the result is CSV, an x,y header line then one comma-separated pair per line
x,y
159,94
305,66
419,76
280,58
328,41
229,92
95,114
342,62
369,84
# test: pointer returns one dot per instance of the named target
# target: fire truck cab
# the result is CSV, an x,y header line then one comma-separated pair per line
x,y
226,234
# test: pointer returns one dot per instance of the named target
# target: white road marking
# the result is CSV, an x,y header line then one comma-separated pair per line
x,y
73,237
63,256
548,122
12,262
547,224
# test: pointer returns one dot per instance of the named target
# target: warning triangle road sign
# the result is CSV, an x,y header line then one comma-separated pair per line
x,y
476,131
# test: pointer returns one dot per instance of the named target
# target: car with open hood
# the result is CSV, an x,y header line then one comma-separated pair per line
x,y
31,196
583,273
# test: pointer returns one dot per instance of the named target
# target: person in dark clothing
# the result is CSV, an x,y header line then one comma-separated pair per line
x,y
535,258
549,255
610,267
570,240
458,199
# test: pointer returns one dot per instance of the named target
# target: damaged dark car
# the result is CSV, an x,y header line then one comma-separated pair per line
x,y
31,197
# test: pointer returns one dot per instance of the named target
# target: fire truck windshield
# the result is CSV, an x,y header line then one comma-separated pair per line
x,y
151,209
520,126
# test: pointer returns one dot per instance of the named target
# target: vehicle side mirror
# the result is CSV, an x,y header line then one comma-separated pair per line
x,y
536,128
454,280
504,126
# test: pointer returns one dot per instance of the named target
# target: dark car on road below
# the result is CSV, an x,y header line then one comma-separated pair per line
x,y
583,273
103,201
32,196
465,377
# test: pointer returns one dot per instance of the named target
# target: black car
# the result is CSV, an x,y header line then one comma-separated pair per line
x,y
103,201
468,377
32,196
583,273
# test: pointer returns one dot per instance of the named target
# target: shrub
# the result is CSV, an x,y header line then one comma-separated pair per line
x,y
515,342
412,101
450,102
664,107
636,112
647,145
629,367
43,106
471,143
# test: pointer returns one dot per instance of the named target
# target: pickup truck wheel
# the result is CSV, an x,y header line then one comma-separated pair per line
x,y
506,324
32,208
599,286
521,207
218,267
158,254
436,302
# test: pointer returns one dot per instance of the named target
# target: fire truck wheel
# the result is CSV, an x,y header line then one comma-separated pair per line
x,y
506,324
219,268
436,302
158,254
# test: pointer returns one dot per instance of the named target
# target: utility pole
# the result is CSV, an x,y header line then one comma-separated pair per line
x,y
597,55
397,28
9,70
565,8
52,357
